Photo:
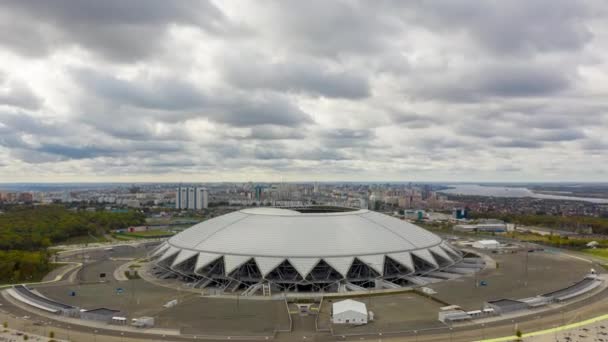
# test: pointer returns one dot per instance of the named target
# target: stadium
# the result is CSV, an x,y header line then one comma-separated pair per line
x,y
307,249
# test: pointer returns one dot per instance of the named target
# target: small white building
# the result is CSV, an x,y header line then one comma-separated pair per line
x,y
143,322
349,312
486,244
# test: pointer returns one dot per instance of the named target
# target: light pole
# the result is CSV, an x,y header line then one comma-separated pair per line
x,y
526,270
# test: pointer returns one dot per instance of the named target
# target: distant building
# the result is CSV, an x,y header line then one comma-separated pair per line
x,y
461,213
486,244
181,201
100,314
481,227
193,198
258,192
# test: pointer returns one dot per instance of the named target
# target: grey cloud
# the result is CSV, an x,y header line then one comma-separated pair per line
x,y
174,100
162,94
437,144
521,80
308,78
17,94
412,120
314,89
560,135
118,30
22,122
508,168
266,109
332,28
273,132
510,27
348,134
346,138
503,80
505,131
282,151
517,143
595,144
72,152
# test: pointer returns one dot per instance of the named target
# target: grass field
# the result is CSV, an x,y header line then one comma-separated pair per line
x,y
85,239
598,252
143,235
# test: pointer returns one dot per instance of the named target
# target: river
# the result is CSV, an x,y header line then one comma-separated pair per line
x,y
499,191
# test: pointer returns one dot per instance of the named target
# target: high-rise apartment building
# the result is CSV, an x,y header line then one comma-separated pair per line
x,y
193,198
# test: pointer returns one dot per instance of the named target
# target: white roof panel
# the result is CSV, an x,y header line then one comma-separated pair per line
x,y
449,248
193,236
169,253
232,262
425,255
204,259
266,265
183,256
160,249
304,265
439,251
282,233
374,261
404,259
341,265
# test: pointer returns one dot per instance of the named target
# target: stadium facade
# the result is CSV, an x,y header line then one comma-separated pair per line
x,y
303,249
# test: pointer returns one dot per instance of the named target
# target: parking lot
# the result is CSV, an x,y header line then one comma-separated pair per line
x,y
546,272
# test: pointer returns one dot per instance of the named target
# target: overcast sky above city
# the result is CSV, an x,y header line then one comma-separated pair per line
x,y
303,90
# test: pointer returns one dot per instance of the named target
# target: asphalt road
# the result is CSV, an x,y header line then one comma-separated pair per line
x,y
580,310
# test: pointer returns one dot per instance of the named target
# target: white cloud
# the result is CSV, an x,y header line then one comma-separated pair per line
x,y
342,90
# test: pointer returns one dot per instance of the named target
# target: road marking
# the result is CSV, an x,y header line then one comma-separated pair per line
x,y
552,330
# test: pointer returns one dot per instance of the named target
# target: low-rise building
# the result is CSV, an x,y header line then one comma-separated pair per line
x,y
486,244
100,314
349,312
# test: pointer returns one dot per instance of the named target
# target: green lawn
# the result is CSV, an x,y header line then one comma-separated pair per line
x,y
123,237
84,239
598,252
146,234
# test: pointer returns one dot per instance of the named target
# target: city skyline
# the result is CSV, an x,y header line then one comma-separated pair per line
x,y
154,91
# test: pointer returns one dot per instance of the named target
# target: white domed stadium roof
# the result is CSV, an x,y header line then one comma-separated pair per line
x,y
271,236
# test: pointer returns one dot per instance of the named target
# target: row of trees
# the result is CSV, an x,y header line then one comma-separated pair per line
x,y
598,224
23,266
27,231
35,228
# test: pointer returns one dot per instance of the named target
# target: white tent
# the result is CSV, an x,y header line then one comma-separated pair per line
x,y
486,244
349,312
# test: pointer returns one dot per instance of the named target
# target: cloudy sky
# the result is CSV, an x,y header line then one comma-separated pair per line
x,y
155,90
